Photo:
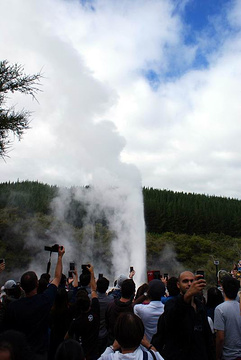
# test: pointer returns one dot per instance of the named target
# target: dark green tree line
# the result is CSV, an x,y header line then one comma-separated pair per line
x,y
188,213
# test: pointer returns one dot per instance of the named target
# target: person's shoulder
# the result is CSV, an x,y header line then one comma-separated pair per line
x,y
140,308
110,305
108,298
50,292
105,299
51,287
220,306
141,305
228,306
123,304
155,303
18,303
218,311
115,293
95,302
174,300
140,354
164,299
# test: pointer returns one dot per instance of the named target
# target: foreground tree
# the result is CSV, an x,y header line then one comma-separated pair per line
x,y
12,79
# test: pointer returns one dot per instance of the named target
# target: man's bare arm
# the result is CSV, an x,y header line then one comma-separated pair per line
x,y
92,282
59,267
75,282
219,344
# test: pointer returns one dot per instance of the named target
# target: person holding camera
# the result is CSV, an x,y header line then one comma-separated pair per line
x,y
183,331
130,342
30,314
104,300
118,306
151,312
85,327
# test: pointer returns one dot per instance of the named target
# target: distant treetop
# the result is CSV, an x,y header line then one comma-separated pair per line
x,y
12,79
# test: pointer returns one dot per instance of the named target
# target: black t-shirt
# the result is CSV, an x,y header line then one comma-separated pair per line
x,y
31,316
198,343
85,329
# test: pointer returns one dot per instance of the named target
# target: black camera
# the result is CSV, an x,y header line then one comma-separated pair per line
x,y
54,248
85,269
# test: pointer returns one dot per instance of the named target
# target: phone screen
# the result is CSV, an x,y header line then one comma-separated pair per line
x,y
71,266
200,272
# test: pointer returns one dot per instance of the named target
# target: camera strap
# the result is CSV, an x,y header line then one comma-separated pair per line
x,y
49,263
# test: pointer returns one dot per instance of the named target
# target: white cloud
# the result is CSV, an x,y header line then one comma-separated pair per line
x,y
93,63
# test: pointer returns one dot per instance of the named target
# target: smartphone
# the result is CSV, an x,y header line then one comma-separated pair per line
x,y
166,276
100,276
131,269
72,266
200,272
85,269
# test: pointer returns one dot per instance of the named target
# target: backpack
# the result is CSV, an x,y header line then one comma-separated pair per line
x,y
145,355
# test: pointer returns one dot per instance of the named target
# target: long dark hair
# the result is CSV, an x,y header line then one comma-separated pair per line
x,y
129,330
69,350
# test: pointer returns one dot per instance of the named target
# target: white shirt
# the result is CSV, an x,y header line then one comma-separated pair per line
x,y
149,315
109,354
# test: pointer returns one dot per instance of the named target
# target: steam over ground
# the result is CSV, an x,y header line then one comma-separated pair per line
x,y
121,208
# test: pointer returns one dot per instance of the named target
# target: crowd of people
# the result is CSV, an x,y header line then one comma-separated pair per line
x,y
79,318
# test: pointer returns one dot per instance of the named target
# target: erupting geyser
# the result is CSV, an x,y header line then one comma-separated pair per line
x,y
119,200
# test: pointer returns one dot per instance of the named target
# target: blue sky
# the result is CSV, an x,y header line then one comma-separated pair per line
x,y
201,19
198,14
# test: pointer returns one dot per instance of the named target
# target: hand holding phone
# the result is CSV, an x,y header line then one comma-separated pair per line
x,y
72,266
200,272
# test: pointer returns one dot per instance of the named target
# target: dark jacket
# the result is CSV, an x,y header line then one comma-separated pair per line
x,y
30,315
183,333
114,309
85,328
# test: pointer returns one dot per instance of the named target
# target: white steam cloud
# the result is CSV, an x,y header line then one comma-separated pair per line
x,y
119,200
71,142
